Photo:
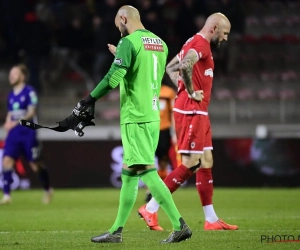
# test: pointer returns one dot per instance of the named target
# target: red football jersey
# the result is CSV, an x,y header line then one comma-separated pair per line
x,y
202,77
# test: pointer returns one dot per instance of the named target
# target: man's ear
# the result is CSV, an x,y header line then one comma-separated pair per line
x,y
124,20
214,29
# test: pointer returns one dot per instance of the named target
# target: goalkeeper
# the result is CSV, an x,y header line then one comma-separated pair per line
x,y
138,67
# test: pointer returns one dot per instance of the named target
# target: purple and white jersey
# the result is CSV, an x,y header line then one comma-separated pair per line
x,y
18,104
21,140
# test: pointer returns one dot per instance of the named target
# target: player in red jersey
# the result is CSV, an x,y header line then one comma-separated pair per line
x,y
192,70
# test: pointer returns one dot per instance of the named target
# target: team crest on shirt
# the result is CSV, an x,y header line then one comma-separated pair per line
x,y
209,72
153,43
118,61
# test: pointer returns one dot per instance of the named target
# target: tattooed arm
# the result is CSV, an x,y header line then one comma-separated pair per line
x,y
186,68
173,70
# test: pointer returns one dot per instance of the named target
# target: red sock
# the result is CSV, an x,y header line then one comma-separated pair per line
x,y
204,184
177,177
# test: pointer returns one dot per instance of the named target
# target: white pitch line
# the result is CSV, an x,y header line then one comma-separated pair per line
x,y
81,231
45,231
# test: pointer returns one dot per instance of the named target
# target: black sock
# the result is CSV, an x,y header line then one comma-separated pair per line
x,y
182,223
119,230
44,178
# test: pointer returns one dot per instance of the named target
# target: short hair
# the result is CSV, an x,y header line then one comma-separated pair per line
x,y
23,69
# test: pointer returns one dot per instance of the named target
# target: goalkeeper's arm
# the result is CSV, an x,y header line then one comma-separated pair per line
x,y
109,82
123,58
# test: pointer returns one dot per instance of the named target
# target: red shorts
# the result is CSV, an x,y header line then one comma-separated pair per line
x,y
193,133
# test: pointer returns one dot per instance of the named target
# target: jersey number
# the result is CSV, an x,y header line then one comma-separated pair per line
x,y
155,62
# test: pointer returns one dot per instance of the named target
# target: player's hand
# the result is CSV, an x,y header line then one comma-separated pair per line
x,y
80,109
197,95
82,115
76,124
112,49
85,109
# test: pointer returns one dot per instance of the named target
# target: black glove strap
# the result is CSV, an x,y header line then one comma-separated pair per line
x,y
71,122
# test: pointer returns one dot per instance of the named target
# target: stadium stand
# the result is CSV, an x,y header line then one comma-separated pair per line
x,y
262,87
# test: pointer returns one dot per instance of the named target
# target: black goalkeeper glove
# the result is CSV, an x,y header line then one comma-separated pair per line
x,y
74,123
85,109
82,115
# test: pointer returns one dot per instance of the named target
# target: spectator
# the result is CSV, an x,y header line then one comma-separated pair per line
x,y
184,23
226,57
12,14
151,17
103,33
35,38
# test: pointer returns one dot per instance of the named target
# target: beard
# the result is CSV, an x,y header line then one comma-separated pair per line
x,y
124,31
215,44
15,82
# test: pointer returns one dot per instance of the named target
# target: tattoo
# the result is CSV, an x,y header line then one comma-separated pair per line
x,y
173,70
186,68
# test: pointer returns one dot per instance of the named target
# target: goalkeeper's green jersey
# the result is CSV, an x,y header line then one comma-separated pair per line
x,y
144,56
138,67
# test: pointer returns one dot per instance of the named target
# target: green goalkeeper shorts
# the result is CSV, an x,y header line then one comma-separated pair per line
x,y
139,142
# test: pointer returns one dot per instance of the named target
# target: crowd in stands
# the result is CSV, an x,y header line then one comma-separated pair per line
x,y
78,31
67,39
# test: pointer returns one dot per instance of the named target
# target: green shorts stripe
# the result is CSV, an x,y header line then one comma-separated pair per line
x,y
139,142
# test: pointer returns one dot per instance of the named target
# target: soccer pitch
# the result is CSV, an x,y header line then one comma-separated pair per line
x,y
76,215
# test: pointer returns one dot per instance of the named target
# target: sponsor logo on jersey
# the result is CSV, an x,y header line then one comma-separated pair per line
x,y
176,181
16,106
209,72
118,61
154,44
33,97
155,101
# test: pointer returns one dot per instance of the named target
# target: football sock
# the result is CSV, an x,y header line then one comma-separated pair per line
x,y
204,184
173,181
128,196
177,177
152,206
162,195
162,174
7,180
210,214
44,178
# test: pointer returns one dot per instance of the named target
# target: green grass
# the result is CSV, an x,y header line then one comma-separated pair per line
x,y
76,215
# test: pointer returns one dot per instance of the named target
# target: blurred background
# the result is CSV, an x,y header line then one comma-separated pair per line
x,y
255,106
